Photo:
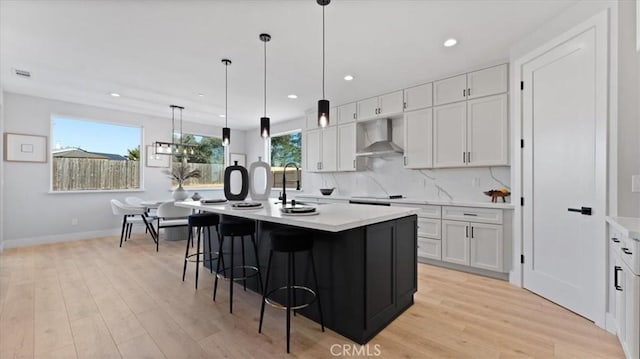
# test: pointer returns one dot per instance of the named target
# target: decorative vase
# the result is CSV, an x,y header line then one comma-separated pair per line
x,y
179,194
254,192
244,189
196,197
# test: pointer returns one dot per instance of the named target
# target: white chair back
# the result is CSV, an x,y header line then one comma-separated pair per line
x,y
120,209
170,210
134,201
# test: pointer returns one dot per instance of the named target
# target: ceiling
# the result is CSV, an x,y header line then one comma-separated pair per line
x,y
157,53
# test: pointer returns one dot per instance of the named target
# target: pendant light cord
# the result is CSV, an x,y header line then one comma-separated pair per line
x,y
323,52
265,79
226,65
173,123
181,127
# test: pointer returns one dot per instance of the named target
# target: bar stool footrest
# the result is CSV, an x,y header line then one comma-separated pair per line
x,y
223,271
188,258
294,287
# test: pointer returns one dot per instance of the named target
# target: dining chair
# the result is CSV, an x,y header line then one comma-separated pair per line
x,y
169,216
130,216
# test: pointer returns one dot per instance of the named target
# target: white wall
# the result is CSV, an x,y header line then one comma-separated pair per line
x,y
1,170
32,215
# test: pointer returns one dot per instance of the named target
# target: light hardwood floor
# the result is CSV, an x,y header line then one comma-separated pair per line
x,y
91,299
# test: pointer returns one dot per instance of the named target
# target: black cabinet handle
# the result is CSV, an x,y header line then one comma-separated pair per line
x,y
616,269
466,229
470,214
464,92
626,250
582,210
464,157
615,240
468,92
472,232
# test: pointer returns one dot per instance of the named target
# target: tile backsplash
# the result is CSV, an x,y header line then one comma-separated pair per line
x,y
387,176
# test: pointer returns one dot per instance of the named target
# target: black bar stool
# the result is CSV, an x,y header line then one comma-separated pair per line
x,y
291,242
236,228
199,221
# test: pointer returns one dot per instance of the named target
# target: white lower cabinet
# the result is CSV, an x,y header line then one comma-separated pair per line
x,y
486,246
455,242
429,248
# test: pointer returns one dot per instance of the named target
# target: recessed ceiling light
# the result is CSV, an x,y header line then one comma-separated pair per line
x,y
292,96
114,94
223,116
200,95
348,78
450,42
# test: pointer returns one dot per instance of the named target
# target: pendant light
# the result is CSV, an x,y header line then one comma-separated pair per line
x,y
265,121
226,131
323,105
168,148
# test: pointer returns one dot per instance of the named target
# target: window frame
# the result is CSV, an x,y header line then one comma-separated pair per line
x,y
268,149
106,122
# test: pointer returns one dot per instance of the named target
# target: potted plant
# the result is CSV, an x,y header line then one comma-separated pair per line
x,y
182,173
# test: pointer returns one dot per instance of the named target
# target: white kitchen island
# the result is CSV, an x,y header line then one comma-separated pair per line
x,y
366,260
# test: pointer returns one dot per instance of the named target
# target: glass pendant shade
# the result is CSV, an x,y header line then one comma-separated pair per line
x,y
323,113
226,136
265,127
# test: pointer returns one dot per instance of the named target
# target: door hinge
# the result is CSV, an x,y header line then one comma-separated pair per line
x,y
522,258
522,201
521,143
521,85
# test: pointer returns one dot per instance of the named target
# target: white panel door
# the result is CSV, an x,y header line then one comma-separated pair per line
x,y
367,108
449,135
487,131
487,82
418,139
486,247
391,103
314,150
564,109
329,161
347,113
450,90
418,97
455,242
347,147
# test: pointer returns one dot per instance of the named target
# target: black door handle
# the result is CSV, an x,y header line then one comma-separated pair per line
x,y
582,210
615,240
616,269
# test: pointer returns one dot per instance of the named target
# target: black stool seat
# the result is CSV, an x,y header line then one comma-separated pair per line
x,y
200,221
204,220
237,228
291,241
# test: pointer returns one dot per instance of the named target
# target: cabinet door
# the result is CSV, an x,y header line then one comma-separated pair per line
x,y
367,109
631,313
429,248
380,273
449,135
347,147
312,119
487,131
347,113
450,90
329,149
314,150
418,97
611,287
333,116
455,242
418,139
429,227
487,82
486,246
391,103
623,272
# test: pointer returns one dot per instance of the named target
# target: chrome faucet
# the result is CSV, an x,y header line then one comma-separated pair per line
x,y
284,182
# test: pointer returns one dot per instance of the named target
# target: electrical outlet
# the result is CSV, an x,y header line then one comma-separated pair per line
x,y
74,221
635,183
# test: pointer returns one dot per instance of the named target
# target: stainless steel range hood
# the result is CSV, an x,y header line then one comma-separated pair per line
x,y
380,134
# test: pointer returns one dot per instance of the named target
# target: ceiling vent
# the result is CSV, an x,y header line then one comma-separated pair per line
x,y
22,73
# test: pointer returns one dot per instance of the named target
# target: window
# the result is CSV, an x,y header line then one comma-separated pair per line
x,y
94,156
205,154
286,148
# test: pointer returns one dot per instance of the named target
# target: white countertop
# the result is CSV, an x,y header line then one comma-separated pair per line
x,y
412,201
629,226
332,217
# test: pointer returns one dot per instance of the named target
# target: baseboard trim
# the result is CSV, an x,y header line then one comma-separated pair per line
x,y
56,238
461,268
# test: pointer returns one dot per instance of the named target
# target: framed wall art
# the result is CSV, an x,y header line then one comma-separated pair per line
x,y
20,147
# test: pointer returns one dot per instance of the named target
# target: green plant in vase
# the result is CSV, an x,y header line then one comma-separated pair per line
x,y
182,173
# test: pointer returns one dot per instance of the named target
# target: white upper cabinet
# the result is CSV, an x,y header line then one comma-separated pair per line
x,y
313,144
418,97
328,163
368,108
347,147
312,119
487,131
418,139
390,103
333,116
449,135
450,90
347,113
381,106
487,82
